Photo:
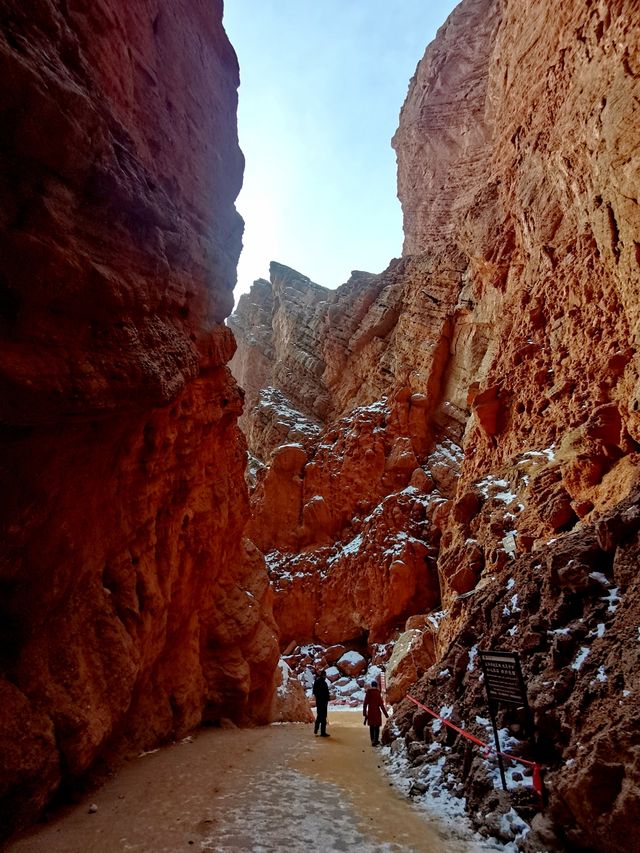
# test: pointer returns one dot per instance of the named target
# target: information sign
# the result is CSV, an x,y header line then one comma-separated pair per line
x,y
504,683
503,677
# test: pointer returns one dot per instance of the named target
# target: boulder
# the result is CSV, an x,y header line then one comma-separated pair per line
x,y
352,664
413,654
290,704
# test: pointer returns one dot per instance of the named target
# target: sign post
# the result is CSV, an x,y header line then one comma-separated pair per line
x,y
504,683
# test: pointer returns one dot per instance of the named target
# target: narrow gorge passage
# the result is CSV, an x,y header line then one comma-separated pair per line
x,y
203,507
268,789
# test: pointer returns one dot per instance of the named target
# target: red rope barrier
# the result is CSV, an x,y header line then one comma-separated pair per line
x,y
537,775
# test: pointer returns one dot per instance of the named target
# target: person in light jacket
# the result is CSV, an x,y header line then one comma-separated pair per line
x,y
373,709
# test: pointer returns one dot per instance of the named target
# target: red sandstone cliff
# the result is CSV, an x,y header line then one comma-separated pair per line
x,y
479,400
130,609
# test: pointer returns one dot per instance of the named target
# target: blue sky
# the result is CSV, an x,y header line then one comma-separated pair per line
x,y
322,83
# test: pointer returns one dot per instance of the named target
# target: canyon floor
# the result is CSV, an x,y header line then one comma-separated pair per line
x,y
262,789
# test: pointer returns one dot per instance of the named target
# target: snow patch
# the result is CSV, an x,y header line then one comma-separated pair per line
x,y
512,825
445,712
285,672
352,658
353,546
508,609
274,401
580,658
450,451
612,598
491,482
437,800
506,497
473,654
436,617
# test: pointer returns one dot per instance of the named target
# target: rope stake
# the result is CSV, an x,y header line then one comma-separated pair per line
x,y
487,749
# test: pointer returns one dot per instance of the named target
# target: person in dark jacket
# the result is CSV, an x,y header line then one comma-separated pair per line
x,y
321,692
373,709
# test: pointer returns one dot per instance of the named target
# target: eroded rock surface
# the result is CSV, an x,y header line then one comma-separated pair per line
x,y
571,609
479,406
130,608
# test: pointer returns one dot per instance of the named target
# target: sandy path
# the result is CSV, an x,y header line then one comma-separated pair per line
x,y
276,788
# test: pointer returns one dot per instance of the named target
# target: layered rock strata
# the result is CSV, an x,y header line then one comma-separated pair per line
x,y
484,388
130,608
356,494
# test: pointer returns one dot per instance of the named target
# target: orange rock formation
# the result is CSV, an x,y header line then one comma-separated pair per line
x,y
130,609
479,399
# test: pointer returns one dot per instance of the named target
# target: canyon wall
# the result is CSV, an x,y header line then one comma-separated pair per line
x,y
131,609
466,428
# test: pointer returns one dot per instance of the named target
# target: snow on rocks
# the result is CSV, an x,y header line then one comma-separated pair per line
x,y
516,776
348,675
333,674
314,588
351,547
574,623
601,674
413,651
435,618
254,466
445,712
612,599
426,776
334,653
443,465
429,786
289,702
492,486
352,663
512,606
275,407
580,658
473,654
539,457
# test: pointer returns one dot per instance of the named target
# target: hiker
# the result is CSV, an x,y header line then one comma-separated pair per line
x,y
371,709
321,692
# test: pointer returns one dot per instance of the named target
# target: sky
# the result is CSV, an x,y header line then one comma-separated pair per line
x,y
321,86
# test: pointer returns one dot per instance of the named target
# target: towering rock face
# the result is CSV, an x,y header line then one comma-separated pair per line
x,y
446,129
130,609
551,261
479,408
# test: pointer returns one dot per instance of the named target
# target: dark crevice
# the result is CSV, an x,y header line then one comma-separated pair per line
x,y
615,234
